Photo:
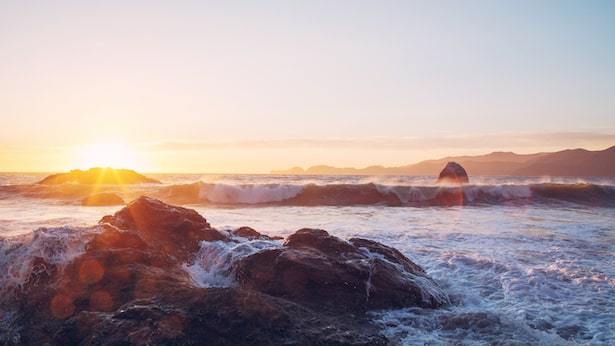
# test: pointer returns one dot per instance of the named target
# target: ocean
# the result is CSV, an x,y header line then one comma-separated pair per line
x,y
525,260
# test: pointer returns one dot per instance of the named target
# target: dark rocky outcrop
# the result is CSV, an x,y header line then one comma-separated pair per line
x,y
174,230
98,175
453,173
324,272
216,316
130,286
102,199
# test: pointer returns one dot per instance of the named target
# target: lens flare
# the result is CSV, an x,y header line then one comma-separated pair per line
x,y
111,154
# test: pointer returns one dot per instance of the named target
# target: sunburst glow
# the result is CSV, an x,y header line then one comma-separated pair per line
x,y
111,154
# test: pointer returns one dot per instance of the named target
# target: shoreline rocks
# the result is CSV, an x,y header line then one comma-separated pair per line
x,y
176,231
324,272
130,285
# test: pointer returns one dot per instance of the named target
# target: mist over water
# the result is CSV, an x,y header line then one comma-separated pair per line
x,y
531,272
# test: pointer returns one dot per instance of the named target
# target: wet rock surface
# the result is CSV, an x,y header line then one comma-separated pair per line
x,y
216,316
324,272
174,230
130,286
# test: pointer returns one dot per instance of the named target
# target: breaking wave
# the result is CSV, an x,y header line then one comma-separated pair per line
x,y
22,258
214,261
375,194
288,194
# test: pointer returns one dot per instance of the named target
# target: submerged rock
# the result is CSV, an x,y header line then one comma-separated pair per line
x,y
130,285
99,175
453,173
252,234
102,199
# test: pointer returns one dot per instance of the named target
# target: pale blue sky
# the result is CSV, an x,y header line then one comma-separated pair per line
x,y
197,71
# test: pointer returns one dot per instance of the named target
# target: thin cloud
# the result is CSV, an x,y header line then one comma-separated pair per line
x,y
502,141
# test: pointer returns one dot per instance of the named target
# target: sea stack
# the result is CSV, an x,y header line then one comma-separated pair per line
x,y
453,173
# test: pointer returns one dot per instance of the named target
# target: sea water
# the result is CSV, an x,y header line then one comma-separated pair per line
x,y
520,268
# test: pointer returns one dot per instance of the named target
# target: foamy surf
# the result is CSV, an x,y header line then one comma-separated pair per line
x,y
337,191
248,194
20,255
214,261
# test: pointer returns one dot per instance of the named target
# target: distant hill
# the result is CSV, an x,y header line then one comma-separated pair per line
x,y
576,162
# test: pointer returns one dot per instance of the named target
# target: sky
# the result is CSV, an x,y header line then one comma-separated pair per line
x,y
234,86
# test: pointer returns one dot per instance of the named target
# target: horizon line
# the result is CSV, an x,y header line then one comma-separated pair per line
x,y
271,171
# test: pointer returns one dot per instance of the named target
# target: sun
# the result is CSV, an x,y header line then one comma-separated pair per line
x,y
107,154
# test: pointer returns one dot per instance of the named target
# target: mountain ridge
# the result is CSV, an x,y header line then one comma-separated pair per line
x,y
568,162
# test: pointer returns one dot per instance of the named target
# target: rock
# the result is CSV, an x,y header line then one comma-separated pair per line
x,y
573,333
219,316
470,321
102,199
246,232
174,230
326,273
252,234
117,268
99,175
123,291
453,173
390,254
130,286
318,239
